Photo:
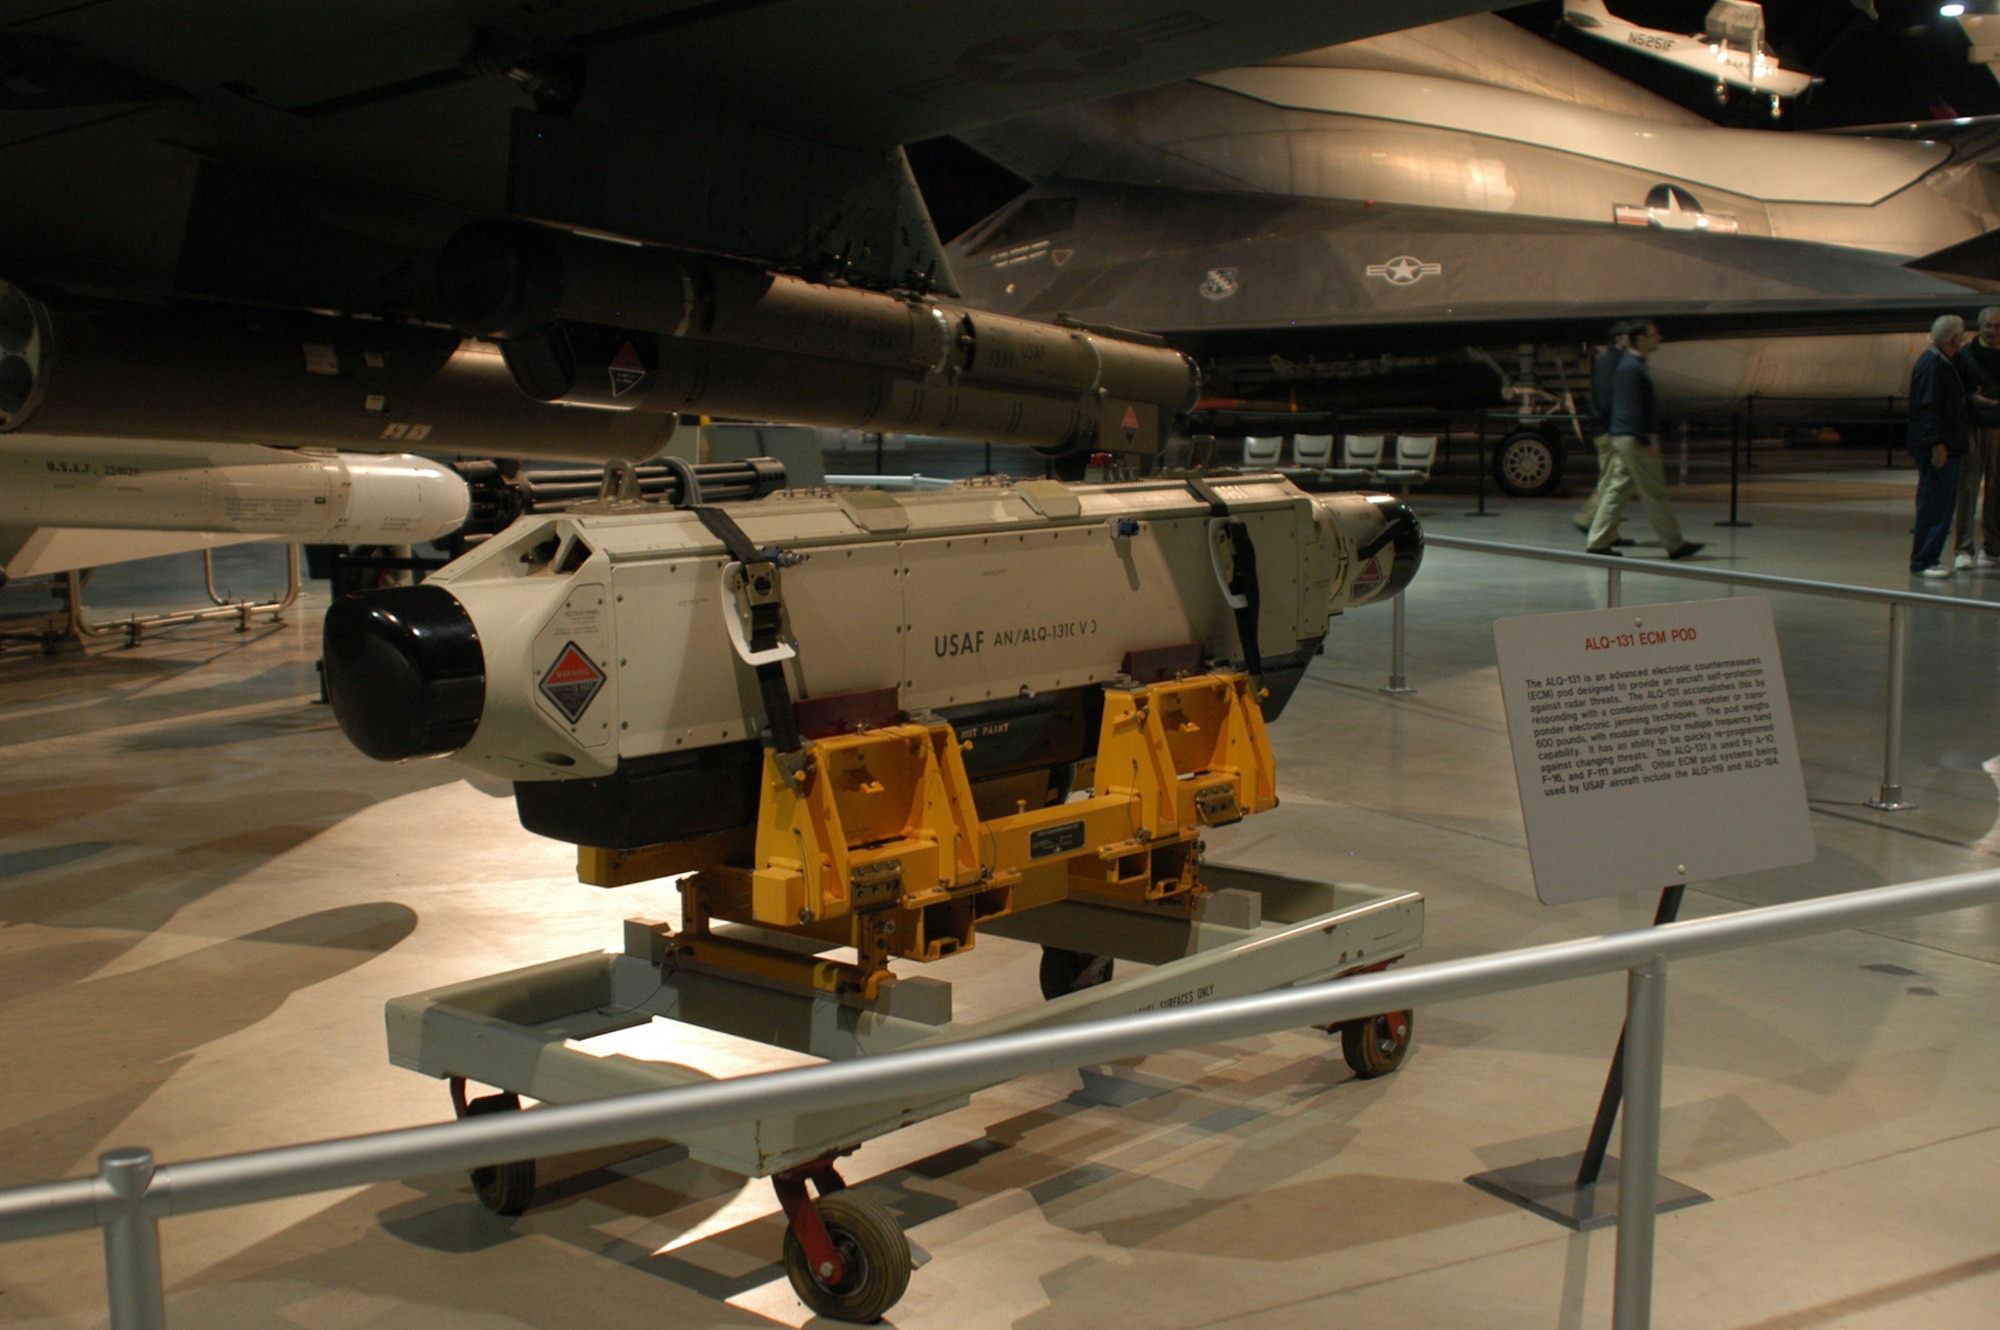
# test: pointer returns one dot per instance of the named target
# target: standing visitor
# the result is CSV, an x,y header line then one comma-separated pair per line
x,y
1937,439
1635,443
1597,426
1979,481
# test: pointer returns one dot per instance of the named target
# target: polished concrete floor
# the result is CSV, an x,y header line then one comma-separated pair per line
x,y
206,895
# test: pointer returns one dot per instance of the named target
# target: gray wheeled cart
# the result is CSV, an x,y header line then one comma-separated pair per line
x,y
524,1032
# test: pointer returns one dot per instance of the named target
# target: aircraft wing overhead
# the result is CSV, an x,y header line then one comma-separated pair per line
x,y
214,148
1224,273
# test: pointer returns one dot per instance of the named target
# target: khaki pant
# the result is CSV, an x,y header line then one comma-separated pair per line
x,y
1635,468
1588,513
1980,476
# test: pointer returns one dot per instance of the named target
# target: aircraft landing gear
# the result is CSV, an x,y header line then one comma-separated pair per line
x,y
505,1189
1528,464
846,1256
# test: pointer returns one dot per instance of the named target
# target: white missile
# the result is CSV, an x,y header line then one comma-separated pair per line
x,y
227,488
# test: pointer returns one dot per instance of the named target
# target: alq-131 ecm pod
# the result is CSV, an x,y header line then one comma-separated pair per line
x,y
871,719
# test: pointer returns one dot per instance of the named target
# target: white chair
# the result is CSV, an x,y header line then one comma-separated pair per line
x,y
1262,451
1415,455
1360,455
1314,451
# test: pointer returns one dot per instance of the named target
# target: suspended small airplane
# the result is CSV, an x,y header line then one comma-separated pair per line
x,y
1730,48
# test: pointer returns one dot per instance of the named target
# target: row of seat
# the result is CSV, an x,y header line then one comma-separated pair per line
x,y
1360,461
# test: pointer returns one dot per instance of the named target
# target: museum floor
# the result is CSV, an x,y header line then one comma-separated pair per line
x,y
206,895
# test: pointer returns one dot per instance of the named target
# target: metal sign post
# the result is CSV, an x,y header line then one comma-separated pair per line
x,y
1651,745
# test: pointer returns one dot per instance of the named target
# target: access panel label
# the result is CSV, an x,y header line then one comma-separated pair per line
x,y
1055,840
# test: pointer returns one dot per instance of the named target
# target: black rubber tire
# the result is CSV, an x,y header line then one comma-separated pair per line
x,y
505,1189
1528,464
1065,971
873,1250
1371,1047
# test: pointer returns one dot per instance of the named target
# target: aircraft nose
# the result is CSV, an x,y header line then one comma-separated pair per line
x,y
404,671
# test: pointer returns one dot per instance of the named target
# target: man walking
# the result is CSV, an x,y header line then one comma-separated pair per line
x,y
1979,481
1635,447
1597,426
1937,441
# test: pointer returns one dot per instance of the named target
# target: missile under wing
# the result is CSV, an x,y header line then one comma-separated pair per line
x,y
287,221
545,230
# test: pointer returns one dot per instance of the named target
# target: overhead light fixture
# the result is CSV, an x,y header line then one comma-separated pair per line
x,y
1951,10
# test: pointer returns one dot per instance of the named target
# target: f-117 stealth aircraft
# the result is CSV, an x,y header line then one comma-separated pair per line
x,y
1441,217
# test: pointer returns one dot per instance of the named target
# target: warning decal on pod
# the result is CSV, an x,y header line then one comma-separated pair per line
x,y
572,682
1370,574
1130,424
627,370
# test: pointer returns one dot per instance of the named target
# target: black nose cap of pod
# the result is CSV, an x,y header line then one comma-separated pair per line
x,y
404,671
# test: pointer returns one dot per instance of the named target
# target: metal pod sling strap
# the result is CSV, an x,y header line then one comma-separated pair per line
x,y
764,649
1240,587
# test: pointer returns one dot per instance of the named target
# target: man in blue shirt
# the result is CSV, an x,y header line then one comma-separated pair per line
x,y
1938,433
1635,444
1597,425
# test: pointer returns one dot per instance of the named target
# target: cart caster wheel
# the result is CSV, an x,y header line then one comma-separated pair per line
x,y
505,1189
1065,971
873,1250
1377,1045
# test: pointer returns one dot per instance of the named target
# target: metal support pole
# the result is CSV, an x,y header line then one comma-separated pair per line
x,y
1614,1082
1614,588
1639,1161
1481,510
1735,431
132,1243
1890,797
1398,683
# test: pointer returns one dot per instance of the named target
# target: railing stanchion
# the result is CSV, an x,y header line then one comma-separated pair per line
x,y
1614,588
1890,797
1639,1162
1398,681
132,1277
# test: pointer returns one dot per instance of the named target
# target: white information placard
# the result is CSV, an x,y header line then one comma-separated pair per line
x,y
1653,745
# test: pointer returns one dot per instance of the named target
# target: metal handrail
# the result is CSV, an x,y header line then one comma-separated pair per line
x,y
130,1195
1889,795
1696,573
